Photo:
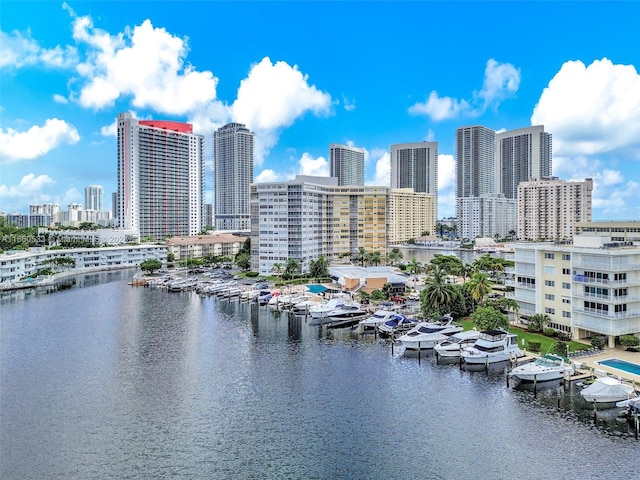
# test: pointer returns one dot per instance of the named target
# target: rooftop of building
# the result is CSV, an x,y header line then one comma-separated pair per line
x,y
216,237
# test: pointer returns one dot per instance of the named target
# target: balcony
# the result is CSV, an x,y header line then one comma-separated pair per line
x,y
606,326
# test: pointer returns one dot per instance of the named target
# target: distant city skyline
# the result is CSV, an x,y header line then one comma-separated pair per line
x,y
68,69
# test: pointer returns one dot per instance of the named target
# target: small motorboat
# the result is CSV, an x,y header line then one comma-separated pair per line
x,y
397,324
606,392
377,319
492,346
545,368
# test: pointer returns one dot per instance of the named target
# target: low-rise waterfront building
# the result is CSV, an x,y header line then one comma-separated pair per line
x,y
353,278
17,265
215,244
589,286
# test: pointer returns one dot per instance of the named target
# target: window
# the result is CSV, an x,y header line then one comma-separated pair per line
x,y
566,271
549,256
566,300
566,286
549,283
566,314
549,296
566,256
549,310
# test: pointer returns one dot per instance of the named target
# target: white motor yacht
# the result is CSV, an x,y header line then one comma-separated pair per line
x,y
377,319
492,346
427,335
543,369
344,316
451,346
322,310
397,324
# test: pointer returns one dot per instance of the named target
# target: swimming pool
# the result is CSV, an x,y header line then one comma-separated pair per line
x,y
621,365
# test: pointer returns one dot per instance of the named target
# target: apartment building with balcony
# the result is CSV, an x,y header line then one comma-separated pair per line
x,y
589,286
550,209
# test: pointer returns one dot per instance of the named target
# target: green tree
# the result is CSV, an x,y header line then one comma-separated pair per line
x,y
151,265
361,256
291,268
437,293
319,268
277,268
377,295
243,261
374,258
480,286
486,318
394,255
449,263
537,322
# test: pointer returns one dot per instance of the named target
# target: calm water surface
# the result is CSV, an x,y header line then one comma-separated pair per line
x,y
114,381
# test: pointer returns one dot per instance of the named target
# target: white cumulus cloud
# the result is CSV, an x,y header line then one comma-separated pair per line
x,y
317,167
37,141
446,171
20,50
382,161
591,109
273,96
29,185
266,176
146,63
60,98
501,81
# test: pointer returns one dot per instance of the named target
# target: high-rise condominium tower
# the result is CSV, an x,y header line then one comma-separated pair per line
x,y
233,174
160,177
347,164
93,197
415,165
475,162
522,155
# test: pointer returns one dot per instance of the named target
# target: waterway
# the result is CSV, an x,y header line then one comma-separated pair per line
x,y
104,380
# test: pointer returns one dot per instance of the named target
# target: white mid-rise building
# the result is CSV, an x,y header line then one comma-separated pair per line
x,y
486,216
549,209
587,287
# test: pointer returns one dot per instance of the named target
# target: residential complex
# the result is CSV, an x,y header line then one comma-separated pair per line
x,y
214,244
522,155
586,287
17,265
346,164
411,214
313,216
232,175
160,177
549,209
486,216
415,165
93,197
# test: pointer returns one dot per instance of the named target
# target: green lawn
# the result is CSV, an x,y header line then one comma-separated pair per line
x,y
546,343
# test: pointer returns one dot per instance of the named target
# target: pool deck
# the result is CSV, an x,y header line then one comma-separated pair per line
x,y
618,353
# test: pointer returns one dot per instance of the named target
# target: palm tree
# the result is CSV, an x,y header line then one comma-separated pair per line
x,y
481,286
465,271
374,258
538,321
277,268
437,291
414,267
361,256
394,255
292,267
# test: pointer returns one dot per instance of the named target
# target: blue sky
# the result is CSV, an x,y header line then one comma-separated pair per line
x,y
303,75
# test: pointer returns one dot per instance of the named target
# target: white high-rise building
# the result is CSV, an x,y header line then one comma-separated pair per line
x,y
415,165
548,209
160,177
522,155
93,197
486,216
233,174
346,164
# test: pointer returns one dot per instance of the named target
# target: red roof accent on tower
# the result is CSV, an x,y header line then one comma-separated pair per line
x,y
168,125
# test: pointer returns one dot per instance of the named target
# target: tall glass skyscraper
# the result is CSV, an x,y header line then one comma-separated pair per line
x,y
160,177
232,176
93,197
346,164
522,155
